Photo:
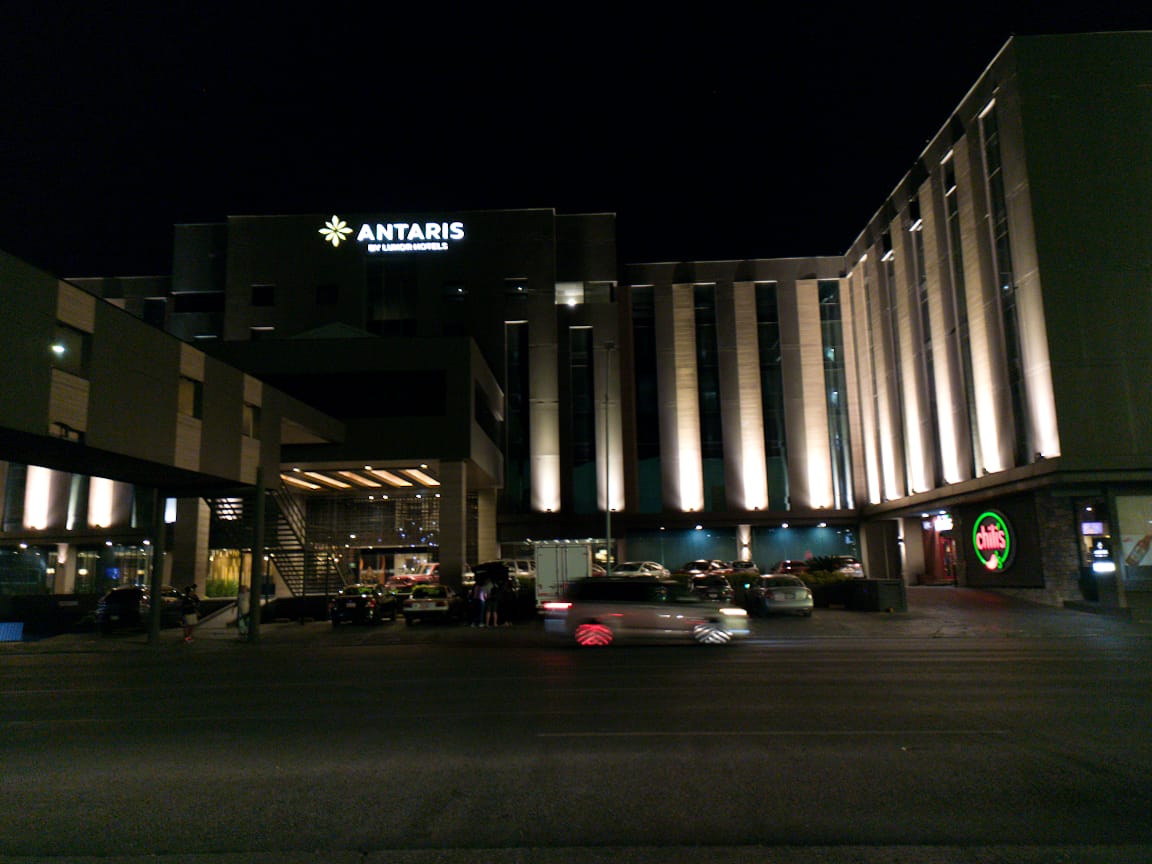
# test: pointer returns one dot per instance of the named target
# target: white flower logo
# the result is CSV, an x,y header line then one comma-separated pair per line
x,y
335,230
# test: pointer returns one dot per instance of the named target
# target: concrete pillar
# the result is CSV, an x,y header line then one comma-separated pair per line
x,y
189,553
453,522
487,545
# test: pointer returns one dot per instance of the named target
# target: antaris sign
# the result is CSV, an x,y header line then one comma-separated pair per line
x,y
384,237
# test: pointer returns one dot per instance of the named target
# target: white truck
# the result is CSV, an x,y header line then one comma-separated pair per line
x,y
557,564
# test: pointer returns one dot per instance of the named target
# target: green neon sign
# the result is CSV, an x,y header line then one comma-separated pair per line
x,y
993,540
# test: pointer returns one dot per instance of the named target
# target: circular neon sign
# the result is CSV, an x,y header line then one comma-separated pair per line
x,y
993,541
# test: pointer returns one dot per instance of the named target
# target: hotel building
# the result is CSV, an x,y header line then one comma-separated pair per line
x,y
959,398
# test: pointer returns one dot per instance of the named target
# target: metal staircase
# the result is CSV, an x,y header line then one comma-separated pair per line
x,y
304,568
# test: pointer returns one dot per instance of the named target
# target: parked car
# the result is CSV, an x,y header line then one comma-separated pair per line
x,y
641,568
745,567
845,565
129,607
600,610
705,565
774,594
363,604
788,566
434,603
713,587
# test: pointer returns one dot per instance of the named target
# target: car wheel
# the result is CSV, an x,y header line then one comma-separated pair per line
x,y
711,634
593,635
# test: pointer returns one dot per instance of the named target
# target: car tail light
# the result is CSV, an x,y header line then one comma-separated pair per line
x,y
371,602
557,606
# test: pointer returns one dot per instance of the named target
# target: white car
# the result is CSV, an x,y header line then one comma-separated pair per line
x,y
641,568
600,610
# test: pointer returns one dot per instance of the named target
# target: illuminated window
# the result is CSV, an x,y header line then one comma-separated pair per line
x,y
71,349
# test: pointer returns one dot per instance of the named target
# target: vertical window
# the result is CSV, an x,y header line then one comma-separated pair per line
x,y
960,300
891,332
647,399
191,398
927,364
772,394
155,311
517,492
708,382
1006,280
582,389
835,389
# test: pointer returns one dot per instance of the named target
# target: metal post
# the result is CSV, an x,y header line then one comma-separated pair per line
x,y
156,583
256,589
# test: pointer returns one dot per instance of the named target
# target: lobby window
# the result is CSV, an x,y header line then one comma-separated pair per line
x,y
190,397
263,294
251,421
71,350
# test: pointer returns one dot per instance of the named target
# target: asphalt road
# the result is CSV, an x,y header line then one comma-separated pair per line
x,y
926,736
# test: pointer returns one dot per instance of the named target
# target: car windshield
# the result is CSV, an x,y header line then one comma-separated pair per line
x,y
429,591
629,566
355,590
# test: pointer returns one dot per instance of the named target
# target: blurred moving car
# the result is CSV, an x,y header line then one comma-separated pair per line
x,y
363,604
774,594
641,568
714,588
788,566
601,609
129,607
434,603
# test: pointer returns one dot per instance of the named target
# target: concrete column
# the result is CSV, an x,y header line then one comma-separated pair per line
x,y
190,543
487,544
453,522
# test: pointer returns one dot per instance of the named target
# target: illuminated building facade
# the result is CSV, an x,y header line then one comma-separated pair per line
x,y
959,398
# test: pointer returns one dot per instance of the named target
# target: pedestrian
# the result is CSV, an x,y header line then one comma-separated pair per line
x,y
492,613
189,611
480,602
243,610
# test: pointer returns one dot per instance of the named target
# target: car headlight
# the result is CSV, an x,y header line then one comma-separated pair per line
x,y
734,612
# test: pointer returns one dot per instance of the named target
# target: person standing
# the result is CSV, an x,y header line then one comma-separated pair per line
x,y
243,611
190,611
492,610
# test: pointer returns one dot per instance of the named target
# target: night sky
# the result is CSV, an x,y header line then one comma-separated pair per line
x,y
719,134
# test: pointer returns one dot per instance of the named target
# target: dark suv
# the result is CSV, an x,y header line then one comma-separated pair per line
x,y
600,609
129,606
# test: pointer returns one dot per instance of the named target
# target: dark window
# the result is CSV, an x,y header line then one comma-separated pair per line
x,y
772,394
328,294
191,397
155,311
263,294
